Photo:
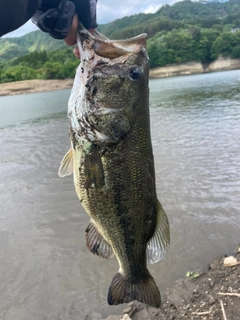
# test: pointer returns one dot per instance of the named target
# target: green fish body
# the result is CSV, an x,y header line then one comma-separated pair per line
x,y
111,159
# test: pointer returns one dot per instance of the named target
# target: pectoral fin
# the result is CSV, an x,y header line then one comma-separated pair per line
x,y
93,169
66,166
96,243
159,243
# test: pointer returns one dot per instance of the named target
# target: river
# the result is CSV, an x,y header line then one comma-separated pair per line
x,y
46,272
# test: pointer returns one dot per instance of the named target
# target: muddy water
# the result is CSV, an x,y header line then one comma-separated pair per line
x,y
46,272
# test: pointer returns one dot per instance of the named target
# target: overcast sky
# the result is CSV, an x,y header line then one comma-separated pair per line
x,y
107,11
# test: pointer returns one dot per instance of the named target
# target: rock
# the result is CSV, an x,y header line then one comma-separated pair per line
x,y
237,250
189,297
211,300
230,261
140,311
182,291
135,311
93,316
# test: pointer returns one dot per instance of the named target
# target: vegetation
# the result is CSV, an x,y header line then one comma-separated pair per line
x,y
186,31
57,64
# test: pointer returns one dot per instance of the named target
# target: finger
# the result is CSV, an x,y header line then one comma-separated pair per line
x,y
64,21
76,52
56,21
92,31
71,38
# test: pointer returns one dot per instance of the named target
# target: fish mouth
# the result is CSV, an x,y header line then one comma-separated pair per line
x,y
97,105
106,48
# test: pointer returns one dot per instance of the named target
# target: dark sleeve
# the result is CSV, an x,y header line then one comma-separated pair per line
x,y
86,10
55,16
14,13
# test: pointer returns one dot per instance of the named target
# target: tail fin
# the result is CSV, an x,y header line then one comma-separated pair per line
x,y
124,290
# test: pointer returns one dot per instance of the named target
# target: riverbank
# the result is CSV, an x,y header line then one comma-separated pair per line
x,y
213,295
221,64
32,86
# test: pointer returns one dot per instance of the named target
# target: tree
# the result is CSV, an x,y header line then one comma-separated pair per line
x,y
223,45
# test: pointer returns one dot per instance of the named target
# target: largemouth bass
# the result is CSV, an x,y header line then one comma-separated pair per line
x,y
111,159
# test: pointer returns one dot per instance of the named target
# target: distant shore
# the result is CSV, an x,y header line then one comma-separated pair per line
x,y
31,86
221,64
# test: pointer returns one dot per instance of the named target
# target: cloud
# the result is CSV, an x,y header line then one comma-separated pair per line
x,y
151,9
109,10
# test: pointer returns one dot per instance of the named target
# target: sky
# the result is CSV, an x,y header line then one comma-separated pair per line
x,y
107,11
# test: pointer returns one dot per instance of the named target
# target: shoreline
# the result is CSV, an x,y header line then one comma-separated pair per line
x,y
221,64
190,68
205,296
33,86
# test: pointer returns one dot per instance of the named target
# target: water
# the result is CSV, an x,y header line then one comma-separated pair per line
x,y
46,272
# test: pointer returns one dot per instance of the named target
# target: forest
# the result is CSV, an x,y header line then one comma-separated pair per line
x,y
56,64
186,31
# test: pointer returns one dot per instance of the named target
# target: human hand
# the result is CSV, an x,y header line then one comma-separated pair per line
x,y
70,39
55,17
59,18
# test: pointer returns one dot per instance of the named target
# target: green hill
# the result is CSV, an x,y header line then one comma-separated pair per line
x,y
9,50
186,31
201,13
184,12
35,41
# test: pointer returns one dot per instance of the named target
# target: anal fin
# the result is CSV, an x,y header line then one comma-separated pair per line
x,y
159,243
96,243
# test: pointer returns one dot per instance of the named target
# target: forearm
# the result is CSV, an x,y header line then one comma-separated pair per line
x,y
14,13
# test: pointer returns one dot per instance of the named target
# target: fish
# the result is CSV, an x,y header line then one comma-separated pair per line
x,y
111,159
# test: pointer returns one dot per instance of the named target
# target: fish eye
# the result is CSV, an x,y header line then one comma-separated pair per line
x,y
135,74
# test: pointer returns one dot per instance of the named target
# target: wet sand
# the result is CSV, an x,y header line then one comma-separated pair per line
x,y
193,67
212,295
31,86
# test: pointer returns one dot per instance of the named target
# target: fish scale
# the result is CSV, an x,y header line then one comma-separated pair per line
x,y
112,162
